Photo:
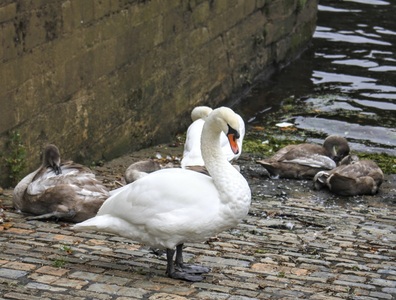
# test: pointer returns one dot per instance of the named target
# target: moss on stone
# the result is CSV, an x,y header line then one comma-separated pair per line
x,y
300,5
386,162
268,146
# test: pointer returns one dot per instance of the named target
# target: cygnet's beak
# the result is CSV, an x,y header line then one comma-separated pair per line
x,y
57,169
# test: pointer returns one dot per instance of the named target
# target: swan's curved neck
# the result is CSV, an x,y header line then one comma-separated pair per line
x,y
215,160
233,188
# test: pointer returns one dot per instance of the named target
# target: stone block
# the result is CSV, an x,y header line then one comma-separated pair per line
x,y
45,287
68,21
71,283
12,274
261,3
384,282
226,20
101,8
20,266
83,12
40,26
90,37
103,59
275,32
144,13
8,12
32,5
10,77
389,291
380,295
79,72
174,25
198,37
220,6
46,279
57,272
308,13
138,293
200,14
249,6
354,284
212,287
281,9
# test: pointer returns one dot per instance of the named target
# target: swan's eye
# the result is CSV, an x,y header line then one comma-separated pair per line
x,y
233,132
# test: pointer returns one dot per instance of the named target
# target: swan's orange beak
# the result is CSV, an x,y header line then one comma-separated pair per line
x,y
233,143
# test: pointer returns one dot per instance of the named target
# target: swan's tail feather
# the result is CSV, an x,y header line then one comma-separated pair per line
x,y
98,223
105,223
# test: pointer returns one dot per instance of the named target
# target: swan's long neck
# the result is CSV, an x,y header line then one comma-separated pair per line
x,y
234,191
232,186
215,161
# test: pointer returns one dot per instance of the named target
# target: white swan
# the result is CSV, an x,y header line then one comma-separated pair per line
x,y
170,207
192,156
66,190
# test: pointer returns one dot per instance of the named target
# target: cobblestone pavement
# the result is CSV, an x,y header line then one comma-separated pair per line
x,y
294,244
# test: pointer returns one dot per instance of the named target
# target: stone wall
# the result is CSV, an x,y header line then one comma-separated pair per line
x,y
100,78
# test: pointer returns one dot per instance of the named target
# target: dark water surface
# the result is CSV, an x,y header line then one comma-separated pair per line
x,y
346,80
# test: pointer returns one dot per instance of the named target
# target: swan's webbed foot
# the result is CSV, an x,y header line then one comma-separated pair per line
x,y
185,276
178,270
193,269
188,268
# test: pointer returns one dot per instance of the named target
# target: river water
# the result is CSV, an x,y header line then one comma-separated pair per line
x,y
346,80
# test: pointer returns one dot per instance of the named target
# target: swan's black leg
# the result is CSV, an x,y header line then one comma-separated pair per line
x,y
179,256
178,274
170,267
193,269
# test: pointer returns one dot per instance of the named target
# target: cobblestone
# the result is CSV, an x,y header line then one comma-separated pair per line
x,y
12,274
305,245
